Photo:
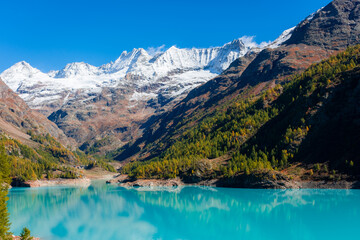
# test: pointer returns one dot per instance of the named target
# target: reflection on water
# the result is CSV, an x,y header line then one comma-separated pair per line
x,y
110,212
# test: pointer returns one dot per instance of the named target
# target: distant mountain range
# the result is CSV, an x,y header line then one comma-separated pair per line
x,y
173,73
91,103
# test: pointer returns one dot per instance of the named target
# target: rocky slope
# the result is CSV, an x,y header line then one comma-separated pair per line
x,y
33,146
319,36
17,119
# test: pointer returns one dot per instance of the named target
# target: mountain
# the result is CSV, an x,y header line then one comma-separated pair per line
x,y
137,70
319,36
33,146
302,130
108,104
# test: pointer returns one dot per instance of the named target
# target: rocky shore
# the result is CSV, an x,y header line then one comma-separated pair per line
x,y
259,181
88,175
255,185
153,183
81,182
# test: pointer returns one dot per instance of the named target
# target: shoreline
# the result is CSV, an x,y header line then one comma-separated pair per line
x,y
241,181
238,182
89,176
156,183
79,182
13,237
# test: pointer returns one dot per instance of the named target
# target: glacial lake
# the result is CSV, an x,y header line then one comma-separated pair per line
x,y
102,212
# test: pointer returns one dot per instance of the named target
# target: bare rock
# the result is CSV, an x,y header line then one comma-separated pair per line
x,y
153,183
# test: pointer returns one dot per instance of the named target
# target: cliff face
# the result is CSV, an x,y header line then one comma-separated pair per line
x,y
321,35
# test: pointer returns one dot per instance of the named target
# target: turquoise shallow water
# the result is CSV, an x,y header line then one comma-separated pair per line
x,y
103,212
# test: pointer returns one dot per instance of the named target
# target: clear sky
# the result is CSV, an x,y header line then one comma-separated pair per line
x,y
50,33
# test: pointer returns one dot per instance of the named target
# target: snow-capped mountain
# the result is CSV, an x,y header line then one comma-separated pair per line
x,y
175,71
113,100
72,70
170,73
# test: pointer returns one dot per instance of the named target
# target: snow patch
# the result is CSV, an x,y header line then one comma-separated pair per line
x,y
282,38
142,96
311,16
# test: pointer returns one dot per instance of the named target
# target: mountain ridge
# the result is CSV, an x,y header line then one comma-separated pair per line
x,y
137,66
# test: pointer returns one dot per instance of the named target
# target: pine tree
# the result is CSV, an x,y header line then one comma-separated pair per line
x,y
25,234
4,181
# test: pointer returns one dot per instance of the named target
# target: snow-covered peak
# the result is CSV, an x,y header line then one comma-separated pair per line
x,y
235,45
172,49
215,59
19,72
77,69
228,53
22,68
126,60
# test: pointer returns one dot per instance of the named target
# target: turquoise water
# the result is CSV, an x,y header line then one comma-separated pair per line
x,y
109,212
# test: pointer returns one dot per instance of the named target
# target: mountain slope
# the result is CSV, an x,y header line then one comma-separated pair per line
x,y
26,139
17,118
335,21
33,145
308,127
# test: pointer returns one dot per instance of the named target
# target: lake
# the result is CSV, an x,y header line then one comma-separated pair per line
x,y
104,212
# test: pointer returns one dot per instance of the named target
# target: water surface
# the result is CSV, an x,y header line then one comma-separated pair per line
x,y
110,212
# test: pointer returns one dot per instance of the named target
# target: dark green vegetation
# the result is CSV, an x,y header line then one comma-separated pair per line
x,y
312,119
25,234
4,183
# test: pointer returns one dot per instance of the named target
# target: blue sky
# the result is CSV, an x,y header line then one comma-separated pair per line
x,y
50,33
